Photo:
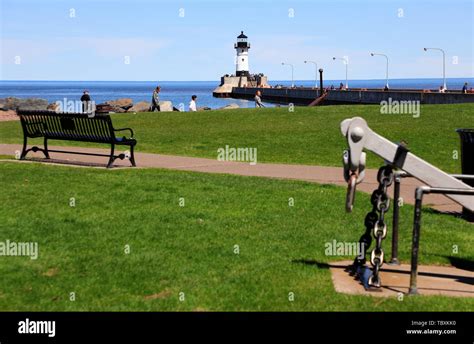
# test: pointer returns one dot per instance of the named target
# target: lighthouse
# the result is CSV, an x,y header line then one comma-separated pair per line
x,y
242,59
242,77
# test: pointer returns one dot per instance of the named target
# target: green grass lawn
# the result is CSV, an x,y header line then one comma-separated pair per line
x,y
308,136
190,249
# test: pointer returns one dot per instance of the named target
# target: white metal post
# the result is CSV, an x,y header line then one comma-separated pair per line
x,y
444,64
316,75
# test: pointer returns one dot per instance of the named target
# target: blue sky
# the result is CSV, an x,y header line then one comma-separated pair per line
x,y
193,40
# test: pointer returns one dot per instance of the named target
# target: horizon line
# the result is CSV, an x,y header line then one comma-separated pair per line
x,y
311,80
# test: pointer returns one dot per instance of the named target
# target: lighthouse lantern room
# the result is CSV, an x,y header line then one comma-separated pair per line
x,y
242,59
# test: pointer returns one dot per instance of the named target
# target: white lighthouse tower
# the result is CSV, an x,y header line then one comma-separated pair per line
x,y
242,77
242,47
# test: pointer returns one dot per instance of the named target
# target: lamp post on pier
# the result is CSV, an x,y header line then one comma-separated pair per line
x,y
444,64
386,71
292,73
346,62
316,74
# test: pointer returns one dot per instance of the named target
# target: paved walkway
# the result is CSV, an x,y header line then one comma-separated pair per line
x,y
316,174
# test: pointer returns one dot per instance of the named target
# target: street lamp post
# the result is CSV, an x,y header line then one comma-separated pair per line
x,y
316,75
292,73
346,63
444,64
386,72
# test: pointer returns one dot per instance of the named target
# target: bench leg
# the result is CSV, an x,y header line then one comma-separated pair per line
x,y
45,151
24,151
34,149
112,157
132,156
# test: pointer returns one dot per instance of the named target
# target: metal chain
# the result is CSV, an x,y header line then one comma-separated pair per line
x,y
381,202
375,225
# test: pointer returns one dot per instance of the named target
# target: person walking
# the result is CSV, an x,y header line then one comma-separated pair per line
x,y
192,103
258,100
155,100
464,88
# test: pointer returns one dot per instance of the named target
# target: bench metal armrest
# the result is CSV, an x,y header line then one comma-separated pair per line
x,y
129,129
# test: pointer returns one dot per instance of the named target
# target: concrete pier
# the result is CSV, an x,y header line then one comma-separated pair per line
x,y
229,82
304,96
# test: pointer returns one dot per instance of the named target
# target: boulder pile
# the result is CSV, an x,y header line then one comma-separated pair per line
x,y
12,103
8,106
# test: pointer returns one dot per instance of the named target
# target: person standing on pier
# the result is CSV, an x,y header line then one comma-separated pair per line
x,y
258,100
155,100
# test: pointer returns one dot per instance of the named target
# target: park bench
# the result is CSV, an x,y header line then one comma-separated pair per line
x,y
95,128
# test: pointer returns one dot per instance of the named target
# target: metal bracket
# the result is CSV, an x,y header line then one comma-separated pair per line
x,y
359,136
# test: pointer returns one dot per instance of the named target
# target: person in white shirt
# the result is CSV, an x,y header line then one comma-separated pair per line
x,y
192,103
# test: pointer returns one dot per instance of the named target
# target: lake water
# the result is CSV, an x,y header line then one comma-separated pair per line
x,y
181,91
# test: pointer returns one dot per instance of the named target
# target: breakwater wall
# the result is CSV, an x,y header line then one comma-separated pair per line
x,y
304,96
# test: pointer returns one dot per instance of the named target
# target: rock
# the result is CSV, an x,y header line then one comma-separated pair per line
x,y
53,107
122,103
8,115
166,106
116,109
230,107
140,107
204,108
12,103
